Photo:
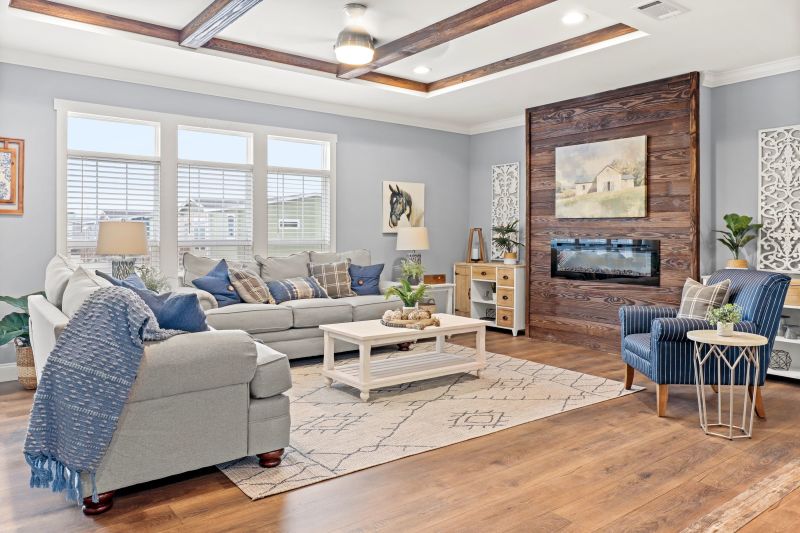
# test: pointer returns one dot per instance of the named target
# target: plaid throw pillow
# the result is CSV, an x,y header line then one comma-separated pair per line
x,y
250,287
295,289
334,278
697,298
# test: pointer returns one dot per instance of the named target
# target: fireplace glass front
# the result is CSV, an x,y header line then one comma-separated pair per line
x,y
631,261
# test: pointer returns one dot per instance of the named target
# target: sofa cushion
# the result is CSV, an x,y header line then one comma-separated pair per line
x,y
179,311
295,289
272,373
292,266
366,279
196,267
356,257
218,283
333,277
372,306
253,318
80,286
131,282
250,287
56,276
312,312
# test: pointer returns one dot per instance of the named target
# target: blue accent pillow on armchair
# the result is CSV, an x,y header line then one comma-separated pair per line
x,y
218,283
366,279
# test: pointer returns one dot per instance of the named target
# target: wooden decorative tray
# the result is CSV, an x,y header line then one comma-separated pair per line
x,y
411,324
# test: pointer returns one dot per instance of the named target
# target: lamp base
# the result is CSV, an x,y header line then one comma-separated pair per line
x,y
122,268
414,257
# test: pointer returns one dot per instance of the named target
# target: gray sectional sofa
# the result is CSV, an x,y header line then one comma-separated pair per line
x,y
290,327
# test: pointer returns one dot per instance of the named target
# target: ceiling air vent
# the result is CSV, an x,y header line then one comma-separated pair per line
x,y
661,9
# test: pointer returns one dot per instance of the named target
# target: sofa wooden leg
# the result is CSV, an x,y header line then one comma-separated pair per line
x,y
104,503
662,395
628,377
270,459
759,401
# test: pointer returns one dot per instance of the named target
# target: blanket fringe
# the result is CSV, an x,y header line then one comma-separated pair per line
x,y
49,472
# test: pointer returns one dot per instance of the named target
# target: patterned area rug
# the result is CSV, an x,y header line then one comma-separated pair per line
x,y
335,433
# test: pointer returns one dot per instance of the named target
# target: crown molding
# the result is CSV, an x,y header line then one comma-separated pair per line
x,y
500,124
717,78
97,70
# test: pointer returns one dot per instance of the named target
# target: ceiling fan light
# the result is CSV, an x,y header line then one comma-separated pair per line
x,y
354,47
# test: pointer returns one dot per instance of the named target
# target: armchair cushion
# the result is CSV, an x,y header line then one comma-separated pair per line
x,y
272,373
697,298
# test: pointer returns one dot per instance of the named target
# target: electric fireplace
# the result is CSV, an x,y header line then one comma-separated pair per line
x,y
631,261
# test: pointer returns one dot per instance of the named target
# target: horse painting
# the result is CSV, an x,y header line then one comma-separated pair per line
x,y
403,205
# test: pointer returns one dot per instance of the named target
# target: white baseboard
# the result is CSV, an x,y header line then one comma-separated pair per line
x,y
8,372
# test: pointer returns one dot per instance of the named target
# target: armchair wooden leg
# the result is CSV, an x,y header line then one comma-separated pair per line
x,y
270,459
759,401
104,503
662,395
628,377
715,389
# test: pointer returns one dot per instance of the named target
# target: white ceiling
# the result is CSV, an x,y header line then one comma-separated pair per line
x,y
716,35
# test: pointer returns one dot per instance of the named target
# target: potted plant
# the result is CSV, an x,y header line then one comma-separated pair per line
x,y
14,327
504,236
740,231
724,318
411,271
152,278
409,295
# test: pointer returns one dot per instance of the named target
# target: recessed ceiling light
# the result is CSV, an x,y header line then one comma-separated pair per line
x,y
573,17
422,69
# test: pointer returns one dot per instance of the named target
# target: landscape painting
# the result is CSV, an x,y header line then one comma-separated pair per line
x,y
604,179
403,205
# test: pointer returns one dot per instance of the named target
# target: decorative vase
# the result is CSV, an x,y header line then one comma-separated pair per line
x,y
725,329
26,371
407,310
510,258
737,263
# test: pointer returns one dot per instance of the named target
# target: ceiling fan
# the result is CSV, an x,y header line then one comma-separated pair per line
x,y
354,45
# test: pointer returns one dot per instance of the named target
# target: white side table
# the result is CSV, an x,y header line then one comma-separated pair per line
x,y
717,353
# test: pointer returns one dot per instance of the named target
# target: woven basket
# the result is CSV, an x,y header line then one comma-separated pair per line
x,y
25,368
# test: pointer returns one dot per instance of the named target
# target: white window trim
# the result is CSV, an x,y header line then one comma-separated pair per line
x,y
168,149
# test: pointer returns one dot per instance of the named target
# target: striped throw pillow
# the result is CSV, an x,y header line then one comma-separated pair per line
x,y
295,289
250,287
334,278
697,298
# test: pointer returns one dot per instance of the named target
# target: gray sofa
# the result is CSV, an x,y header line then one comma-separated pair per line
x,y
199,399
290,327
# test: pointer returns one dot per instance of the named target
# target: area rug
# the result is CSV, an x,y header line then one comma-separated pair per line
x,y
334,433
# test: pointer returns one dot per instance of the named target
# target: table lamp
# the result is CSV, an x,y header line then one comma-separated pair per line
x,y
413,239
122,240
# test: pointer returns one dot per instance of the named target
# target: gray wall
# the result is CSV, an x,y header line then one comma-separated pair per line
x,y
368,152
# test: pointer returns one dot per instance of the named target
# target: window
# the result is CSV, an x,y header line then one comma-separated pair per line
x,y
112,174
215,191
298,195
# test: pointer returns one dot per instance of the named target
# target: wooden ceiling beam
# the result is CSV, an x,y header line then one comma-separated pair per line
x,y
212,20
581,41
463,23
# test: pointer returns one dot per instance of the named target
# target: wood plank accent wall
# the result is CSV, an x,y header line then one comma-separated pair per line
x,y
586,313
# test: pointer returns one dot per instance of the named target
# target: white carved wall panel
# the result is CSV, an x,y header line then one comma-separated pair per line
x,y
505,198
779,199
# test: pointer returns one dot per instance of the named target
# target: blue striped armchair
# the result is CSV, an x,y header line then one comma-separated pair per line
x,y
654,341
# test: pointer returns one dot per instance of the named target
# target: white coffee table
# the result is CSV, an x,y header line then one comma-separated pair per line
x,y
367,374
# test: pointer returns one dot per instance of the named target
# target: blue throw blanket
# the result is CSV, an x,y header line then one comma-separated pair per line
x,y
84,388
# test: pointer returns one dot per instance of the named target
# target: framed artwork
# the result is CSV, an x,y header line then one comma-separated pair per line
x,y
505,199
606,179
12,157
403,205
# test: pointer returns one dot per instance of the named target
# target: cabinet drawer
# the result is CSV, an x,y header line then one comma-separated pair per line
x,y
505,297
505,317
484,272
505,277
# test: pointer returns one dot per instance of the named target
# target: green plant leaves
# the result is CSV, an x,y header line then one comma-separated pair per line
x,y
20,302
13,325
740,231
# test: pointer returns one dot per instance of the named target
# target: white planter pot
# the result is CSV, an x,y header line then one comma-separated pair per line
x,y
507,261
724,329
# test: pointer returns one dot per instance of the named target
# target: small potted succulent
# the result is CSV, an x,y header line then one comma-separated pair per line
x,y
409,295
504,236
740,230
14,327
725,318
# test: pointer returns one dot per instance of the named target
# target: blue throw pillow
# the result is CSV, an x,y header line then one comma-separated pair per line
x,y
175,311
218,283
132,282
366,279
295,289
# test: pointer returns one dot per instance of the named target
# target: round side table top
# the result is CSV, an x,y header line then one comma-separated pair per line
x,y
739,338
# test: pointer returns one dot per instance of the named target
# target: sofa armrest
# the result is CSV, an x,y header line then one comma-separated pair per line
x,y
675,329
194,362
207,300
46,324
639,318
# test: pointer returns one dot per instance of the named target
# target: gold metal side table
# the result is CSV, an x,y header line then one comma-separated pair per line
x,y
717,353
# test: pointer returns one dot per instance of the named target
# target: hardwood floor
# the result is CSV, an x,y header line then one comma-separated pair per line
x,y
613,466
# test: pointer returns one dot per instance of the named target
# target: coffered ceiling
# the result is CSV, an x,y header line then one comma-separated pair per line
x,y
506,55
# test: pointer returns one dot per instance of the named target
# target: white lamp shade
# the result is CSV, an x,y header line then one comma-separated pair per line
x,y
412,238
122,238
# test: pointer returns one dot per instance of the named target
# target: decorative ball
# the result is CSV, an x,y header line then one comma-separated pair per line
x,y
780,360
